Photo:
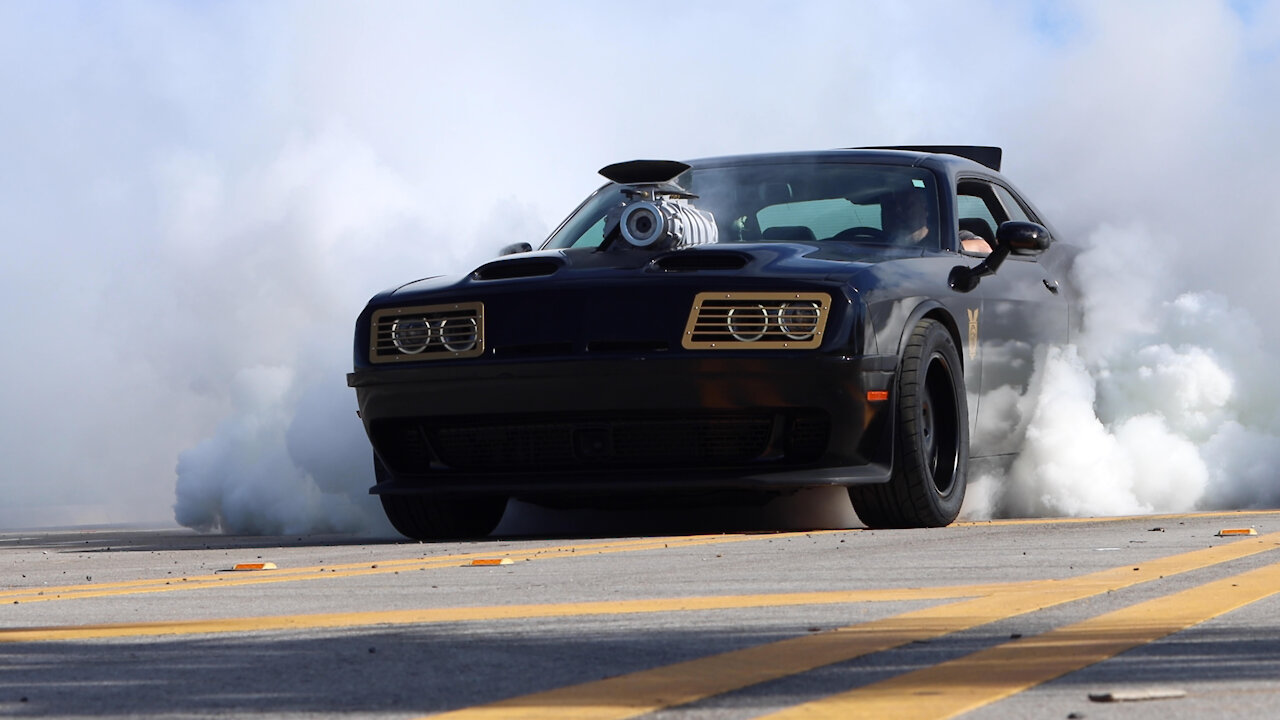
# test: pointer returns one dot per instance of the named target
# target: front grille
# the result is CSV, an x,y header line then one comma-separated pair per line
x,y
808,437
648,442
756,321
502,446
428,332
720,439
402,445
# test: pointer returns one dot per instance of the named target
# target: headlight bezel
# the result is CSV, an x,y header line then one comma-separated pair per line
x,y
422,333
711,323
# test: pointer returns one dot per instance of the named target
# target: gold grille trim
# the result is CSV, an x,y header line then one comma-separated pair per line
x,y
427,332
757,321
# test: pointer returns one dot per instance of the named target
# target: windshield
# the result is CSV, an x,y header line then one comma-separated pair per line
x,y
878,205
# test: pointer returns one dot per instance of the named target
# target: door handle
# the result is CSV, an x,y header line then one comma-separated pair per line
x,y
1051,285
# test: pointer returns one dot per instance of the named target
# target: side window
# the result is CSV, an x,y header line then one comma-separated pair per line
x,y
1016,211
970,206
978,210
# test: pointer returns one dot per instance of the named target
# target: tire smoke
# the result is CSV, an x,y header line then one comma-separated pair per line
x,y
1162,405
198,199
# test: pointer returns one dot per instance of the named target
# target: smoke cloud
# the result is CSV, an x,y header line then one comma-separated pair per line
x,y
198,199
1165,406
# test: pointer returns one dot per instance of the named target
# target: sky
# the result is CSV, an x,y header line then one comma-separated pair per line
x,y
197,198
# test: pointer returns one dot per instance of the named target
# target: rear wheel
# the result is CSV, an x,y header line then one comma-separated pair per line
x,y
931,454
441,517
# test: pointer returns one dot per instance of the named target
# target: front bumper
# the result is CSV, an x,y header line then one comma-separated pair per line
x,y
629,424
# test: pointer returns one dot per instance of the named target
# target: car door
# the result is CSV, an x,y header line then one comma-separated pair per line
x,y
1021,310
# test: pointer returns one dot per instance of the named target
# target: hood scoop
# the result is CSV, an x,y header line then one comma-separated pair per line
x,y
518,268
702,260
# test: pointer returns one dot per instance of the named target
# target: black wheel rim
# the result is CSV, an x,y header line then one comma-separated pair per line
x,y
940,425
928,433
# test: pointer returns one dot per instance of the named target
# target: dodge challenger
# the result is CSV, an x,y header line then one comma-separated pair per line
x,y
755,323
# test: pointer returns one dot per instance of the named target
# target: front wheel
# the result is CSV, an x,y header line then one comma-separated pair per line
x,y
429,517
440,517
931,436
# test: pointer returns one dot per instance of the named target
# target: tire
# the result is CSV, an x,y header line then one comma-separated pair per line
x,y
441,517
931,439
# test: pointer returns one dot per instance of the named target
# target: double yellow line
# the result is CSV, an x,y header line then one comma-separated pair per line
x,y
938,692
958,686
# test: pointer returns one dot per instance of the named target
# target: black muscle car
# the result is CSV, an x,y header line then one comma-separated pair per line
x,y
759,322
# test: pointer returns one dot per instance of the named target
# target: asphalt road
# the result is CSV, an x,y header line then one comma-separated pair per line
x,y
989,620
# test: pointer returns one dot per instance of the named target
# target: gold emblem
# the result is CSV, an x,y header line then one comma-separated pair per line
x,y
973,333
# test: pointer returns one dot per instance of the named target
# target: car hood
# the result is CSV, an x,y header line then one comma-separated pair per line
x,y
813,261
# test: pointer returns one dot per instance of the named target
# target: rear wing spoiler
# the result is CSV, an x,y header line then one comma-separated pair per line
x,y
981,154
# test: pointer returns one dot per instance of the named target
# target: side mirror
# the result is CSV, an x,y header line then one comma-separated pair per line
x,y
1023,238
1019,238
516,248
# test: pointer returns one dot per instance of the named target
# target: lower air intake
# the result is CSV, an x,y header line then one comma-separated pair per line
x,y
719,440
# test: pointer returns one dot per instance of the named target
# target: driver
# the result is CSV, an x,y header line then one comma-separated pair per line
x,y
907,223
906,218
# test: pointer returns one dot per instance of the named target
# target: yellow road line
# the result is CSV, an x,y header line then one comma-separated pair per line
x,y
961,685
1000,598
485,613
377,567
646,691
637,693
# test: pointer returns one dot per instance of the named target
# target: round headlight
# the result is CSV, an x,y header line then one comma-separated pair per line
x,y
460,334
412,335
747,324
798,320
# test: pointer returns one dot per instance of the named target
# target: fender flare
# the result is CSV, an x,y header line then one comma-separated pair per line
x,y
937,311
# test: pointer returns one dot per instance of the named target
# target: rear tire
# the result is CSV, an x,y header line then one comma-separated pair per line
x,y
931,439
441,517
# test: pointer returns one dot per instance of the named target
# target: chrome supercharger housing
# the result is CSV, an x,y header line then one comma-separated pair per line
x,y
653,221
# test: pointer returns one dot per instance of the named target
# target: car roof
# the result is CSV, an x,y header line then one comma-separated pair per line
x,y
946,162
